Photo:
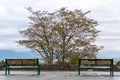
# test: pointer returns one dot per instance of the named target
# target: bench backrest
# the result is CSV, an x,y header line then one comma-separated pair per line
x,y
22,62
96,62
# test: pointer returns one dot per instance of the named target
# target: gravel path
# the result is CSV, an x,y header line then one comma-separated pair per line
x,y
58,75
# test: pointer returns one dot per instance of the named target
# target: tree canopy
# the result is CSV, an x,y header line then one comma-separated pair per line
x,y
61,35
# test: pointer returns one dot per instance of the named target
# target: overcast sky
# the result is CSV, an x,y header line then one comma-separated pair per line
x,y
14,17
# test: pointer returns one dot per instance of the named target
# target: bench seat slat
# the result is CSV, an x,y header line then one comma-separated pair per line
x,y
92,67
23,67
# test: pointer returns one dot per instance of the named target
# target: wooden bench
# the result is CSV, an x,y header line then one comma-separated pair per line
x,y
96,64
22,64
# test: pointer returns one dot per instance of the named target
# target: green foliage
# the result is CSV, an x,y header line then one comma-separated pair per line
x,y
58,35
2,63
73,58
118,63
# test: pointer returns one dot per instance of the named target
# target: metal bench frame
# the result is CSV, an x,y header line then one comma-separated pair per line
x,y
21,64
96,64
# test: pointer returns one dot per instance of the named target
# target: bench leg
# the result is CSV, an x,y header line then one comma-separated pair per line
x,y
6,71
79,71
112,73
38,72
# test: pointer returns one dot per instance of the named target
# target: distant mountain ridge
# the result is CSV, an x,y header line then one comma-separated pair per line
x,y
109,54
29,54
14,54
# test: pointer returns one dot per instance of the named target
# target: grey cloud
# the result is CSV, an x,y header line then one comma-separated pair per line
x,y
106,12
